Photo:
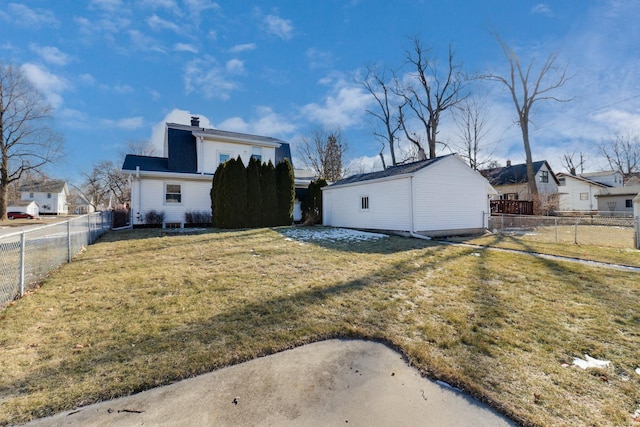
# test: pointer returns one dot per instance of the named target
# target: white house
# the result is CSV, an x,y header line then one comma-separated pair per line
x,y
576,193
438,196
181,180
50,195
609,178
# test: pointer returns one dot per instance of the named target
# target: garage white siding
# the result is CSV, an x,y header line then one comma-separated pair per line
x,y
388,205
447,197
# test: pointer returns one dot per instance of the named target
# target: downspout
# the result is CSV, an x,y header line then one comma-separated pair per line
x,y
139,193
412,233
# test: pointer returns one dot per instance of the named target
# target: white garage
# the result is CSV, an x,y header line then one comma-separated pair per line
x,y
434,197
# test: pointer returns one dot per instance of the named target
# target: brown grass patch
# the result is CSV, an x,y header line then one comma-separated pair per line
x,y
137,310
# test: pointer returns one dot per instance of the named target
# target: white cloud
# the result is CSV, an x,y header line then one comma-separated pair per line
x,y
235,66
127,123
205,76
174,116
345,107
144,43
50,54
542,9
268,123
24,16
243,48
318,58
158,24
184,47
49,84
279,27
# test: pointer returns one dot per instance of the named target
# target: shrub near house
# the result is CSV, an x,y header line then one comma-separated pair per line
x,y
233,195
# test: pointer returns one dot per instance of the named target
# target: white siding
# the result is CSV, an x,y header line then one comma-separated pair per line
x,y
549,187
150,193
570,195
449,196
388,205
212,149
56,204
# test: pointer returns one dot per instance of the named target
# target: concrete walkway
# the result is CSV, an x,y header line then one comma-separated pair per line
x,y
329,383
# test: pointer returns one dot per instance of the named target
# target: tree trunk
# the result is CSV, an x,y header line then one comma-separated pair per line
x,y
531,175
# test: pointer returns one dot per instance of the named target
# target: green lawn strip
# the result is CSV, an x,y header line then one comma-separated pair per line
x,y
136,311
611,255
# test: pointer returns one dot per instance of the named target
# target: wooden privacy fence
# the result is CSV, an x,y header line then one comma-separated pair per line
x,y
511,207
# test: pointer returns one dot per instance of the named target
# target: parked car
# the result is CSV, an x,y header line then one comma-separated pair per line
x,y
19,215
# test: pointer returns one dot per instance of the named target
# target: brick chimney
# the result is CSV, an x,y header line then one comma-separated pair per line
x,y
195,121
508,163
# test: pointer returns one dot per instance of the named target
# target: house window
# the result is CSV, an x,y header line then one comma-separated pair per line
x,y
628,203
173,193
562,181
31,195
544,176
364,203
257,153
584,196
48,195
509,196
223,157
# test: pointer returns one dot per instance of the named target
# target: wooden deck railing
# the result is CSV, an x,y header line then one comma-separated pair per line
x,y
513,207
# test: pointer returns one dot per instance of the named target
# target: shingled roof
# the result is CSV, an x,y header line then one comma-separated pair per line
x,y
514,174
46,186
392,171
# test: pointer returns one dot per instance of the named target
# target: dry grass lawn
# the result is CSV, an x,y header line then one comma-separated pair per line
x,y
137,310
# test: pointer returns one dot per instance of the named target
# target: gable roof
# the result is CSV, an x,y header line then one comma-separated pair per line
x,y
514,174
181,149
46,186
581,178
406,169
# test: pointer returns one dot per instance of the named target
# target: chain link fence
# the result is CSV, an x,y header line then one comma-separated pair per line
x,y
586,230
27,257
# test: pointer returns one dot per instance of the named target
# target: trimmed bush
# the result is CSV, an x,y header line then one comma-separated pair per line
x,y
154,217
197,217
254,194
269,196
285,193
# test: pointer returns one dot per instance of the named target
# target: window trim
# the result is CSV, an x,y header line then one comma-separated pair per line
x,y
224,153
584,196
544,176
168,201
628,203
364,203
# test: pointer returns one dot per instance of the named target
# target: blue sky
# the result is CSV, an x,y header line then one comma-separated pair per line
x,y
116,70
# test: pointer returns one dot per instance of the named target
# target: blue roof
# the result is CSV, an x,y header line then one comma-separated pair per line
x,y
515,174
182,158
405,169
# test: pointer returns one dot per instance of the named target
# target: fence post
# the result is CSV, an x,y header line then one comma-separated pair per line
x,y
69,241
502,224
555,220
22,261
575,238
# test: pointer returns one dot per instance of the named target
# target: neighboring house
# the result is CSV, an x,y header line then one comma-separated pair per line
x,y
81,205
577,193
617,201
181,180
511,181
609,178
50,195
439,196
25,206
303,178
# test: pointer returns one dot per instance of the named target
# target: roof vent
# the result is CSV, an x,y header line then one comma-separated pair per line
x,y
508,163
195,121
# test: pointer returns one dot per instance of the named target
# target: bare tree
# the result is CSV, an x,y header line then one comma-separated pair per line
x,y
387,113
139,147
105,183
27,140
429,94
323,152
571,164
623,154
471,120
526,89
